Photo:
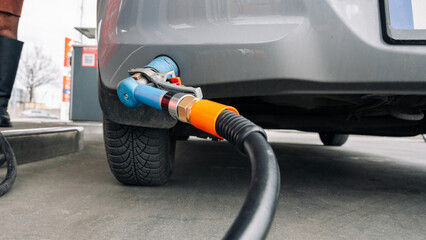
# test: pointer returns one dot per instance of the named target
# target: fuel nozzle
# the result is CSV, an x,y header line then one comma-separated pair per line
x,y
157,85
184,107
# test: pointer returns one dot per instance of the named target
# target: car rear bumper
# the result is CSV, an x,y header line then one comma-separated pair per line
x,y
261,48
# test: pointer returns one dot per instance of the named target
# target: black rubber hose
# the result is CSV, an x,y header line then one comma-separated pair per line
x,y
9,158
256,215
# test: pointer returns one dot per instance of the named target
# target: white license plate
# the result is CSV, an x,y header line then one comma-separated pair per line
x,y
405,21
407,14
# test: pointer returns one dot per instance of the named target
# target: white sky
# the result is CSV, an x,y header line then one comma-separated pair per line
x,y
47,23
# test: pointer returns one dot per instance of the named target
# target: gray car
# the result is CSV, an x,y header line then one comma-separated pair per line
x,y
328,66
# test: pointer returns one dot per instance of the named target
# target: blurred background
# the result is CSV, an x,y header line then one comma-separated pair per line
x,y
49,29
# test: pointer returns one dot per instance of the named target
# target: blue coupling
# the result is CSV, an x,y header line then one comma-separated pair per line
x,y
125,90
163,64
150,96
133,95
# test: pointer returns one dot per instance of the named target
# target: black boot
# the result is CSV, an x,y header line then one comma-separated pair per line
x,y
10,52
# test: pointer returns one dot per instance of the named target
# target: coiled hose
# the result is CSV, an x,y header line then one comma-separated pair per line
x,y
256,215
7,155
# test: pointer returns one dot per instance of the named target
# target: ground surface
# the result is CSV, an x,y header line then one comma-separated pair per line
x,y
372,188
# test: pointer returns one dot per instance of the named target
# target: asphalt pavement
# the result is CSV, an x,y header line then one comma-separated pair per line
x,y
371,188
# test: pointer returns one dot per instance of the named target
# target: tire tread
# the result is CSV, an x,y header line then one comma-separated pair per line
x,y
138,155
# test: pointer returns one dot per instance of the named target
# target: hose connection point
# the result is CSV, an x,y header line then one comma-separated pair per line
x,y
174,102
184,107
204,113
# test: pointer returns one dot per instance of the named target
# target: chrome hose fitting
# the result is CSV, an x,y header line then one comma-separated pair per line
x,y
184,107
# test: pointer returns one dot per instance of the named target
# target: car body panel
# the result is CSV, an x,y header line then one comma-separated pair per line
x,y
259,47
312,41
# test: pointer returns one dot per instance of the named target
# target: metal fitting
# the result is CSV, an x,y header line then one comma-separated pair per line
x,y
137,76
184,107
173,104
140,79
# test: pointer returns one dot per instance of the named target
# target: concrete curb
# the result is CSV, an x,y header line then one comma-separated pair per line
x,y
36,144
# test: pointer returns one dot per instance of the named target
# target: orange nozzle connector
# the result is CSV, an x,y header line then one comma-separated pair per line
x,y
203,115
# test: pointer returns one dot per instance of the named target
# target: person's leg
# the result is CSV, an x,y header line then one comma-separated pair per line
x,y
8,25
10,52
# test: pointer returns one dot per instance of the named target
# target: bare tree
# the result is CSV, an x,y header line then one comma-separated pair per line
x,y
36,69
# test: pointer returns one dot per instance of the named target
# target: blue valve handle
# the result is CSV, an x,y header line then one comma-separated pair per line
x,y
133,95
149,95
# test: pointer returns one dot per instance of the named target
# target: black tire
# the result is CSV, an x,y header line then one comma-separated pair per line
x,y
333,139
139,155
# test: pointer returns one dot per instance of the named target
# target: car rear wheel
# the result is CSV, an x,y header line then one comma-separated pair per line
x,y
139,155
333,139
